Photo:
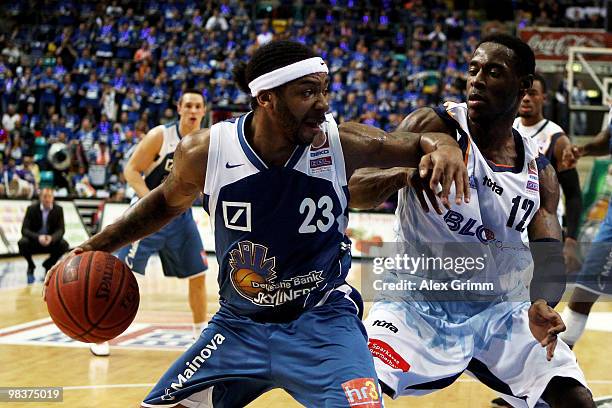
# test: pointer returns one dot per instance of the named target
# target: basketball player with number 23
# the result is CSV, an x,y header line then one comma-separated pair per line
x,y
275,186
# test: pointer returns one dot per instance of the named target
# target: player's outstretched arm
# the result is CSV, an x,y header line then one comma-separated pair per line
x,y
144,155
157,208
549,280
600,146
369,187
173,197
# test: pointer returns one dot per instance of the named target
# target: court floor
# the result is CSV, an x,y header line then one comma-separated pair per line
x,y
34,354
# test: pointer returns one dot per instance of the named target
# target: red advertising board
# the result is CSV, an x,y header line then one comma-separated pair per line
x,y
552,43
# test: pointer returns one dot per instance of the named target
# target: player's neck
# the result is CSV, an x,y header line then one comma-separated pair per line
x,y
531,120
266,137
490,136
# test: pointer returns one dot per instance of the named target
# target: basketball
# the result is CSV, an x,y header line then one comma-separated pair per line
x,y
93,297
245,281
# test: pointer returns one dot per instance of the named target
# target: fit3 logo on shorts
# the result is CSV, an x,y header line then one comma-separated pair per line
x,y
362,392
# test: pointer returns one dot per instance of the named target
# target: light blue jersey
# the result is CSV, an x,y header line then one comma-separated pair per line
x,y
488,234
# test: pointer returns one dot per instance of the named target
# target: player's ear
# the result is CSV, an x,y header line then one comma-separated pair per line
x,y
264,98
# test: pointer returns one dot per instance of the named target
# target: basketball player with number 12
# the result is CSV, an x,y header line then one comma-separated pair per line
x,y
275,186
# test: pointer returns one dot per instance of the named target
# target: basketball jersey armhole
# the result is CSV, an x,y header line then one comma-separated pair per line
x,y
334,141
212,163
161,154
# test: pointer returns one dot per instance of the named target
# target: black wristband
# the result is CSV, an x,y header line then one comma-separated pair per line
x,y
570,184
549,278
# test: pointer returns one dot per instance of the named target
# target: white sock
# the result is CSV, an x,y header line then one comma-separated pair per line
x,y
575,323
198,328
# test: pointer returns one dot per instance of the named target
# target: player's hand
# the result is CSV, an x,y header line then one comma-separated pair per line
x,y
421,188
571,154
447,167
570,255
50,272
545,324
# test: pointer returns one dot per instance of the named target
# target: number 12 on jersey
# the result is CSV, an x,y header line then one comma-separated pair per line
x,y
526,206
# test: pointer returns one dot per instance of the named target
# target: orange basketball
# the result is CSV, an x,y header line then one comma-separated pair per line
x,y
93,297
247,281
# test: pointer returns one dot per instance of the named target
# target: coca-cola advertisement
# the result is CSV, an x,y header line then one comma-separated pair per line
x,y
552,44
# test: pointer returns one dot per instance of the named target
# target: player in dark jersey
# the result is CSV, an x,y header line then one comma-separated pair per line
x,y
275,184
178,244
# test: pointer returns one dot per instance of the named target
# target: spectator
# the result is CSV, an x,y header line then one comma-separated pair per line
x,y
12,53
216,22
131,105
68,92
87,136
91,92
143,53
9,118
437,34
48,88
42,232
579,118
109,104
265,34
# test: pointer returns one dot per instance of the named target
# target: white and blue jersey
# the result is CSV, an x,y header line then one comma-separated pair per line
x,y
178,243
162,165
287,318
424,338
491,228
279,231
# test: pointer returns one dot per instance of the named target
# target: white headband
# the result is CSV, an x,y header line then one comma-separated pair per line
x,y
286,74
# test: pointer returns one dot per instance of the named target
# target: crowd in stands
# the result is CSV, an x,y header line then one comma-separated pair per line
x,y
91,78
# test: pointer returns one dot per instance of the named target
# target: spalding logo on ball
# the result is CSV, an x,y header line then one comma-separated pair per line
x,y
93,297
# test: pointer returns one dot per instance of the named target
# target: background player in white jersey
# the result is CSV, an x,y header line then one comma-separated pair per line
x,y
178,244
552,141
422,340
275,184
595,277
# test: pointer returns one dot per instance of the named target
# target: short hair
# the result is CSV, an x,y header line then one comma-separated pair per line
x,y
524,59
192,91
273,55
538,77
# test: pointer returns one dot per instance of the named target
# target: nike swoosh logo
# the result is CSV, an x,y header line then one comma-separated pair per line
x,y
231,166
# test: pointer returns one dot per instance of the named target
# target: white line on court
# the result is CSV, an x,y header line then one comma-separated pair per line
x,y
104,386
470,380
